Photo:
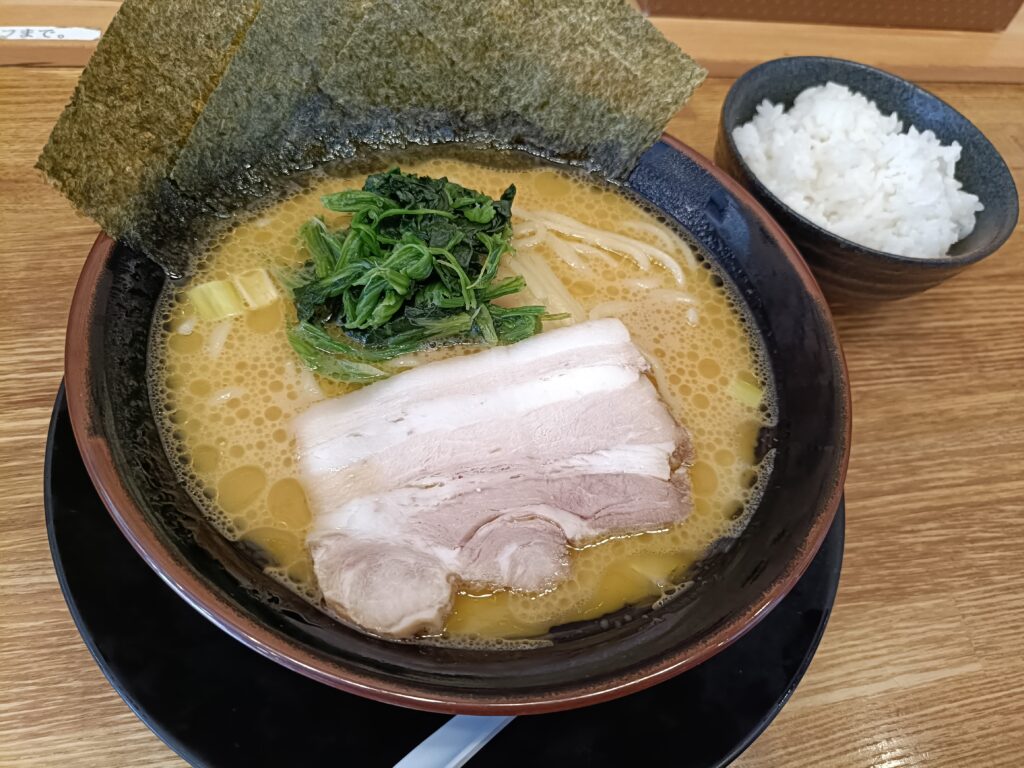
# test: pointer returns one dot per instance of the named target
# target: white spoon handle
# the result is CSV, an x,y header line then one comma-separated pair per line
x,y
454,743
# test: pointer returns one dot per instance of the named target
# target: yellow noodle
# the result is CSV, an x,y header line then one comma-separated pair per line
x,y
623,245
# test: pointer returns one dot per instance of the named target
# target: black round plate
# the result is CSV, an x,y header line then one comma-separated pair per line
x,y
217,703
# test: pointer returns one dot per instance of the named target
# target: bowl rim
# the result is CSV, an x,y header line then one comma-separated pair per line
x,y
99,462
927,262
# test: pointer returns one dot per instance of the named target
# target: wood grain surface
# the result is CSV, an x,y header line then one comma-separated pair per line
x,y
923,661
727,47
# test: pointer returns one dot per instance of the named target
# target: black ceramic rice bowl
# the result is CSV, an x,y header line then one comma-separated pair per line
x,y
847,270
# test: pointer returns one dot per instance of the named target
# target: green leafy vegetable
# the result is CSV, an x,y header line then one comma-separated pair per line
x,y
415,267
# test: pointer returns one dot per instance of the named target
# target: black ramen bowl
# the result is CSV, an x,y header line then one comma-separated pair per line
x,y
734,588
847,270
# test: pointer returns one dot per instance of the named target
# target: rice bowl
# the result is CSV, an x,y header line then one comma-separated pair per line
x,y
846,270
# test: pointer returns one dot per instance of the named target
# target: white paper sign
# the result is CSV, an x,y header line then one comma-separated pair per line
x,y
48,33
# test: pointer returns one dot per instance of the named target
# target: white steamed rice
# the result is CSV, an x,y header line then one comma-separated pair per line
x,y
838,161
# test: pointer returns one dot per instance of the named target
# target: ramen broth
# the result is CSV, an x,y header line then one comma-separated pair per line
x,y
226,392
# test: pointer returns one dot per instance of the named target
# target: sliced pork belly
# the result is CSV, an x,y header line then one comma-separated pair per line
x,y
528,360
387,587
447,513
518,549
579,430
484,469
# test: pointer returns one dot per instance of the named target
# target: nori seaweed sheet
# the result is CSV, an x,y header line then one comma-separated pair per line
x,y
311,82
252,125
589,81
135,105
345,88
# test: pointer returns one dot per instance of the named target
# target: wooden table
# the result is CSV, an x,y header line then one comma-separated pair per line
x,y
726,47
923,661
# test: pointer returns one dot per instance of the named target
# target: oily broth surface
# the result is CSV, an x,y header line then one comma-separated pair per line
x,y
226,394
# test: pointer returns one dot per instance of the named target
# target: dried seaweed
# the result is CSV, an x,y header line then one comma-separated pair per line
x,y
215,107
244,129
136,103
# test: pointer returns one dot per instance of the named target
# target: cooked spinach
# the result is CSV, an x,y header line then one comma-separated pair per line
x,y
416,266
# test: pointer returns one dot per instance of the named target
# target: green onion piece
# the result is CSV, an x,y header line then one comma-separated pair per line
x,y
256,288
746,393
216,300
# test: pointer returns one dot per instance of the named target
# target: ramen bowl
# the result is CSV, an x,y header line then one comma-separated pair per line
x,y
730,591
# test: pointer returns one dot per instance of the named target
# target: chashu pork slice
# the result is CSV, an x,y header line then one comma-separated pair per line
x,y
484,469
